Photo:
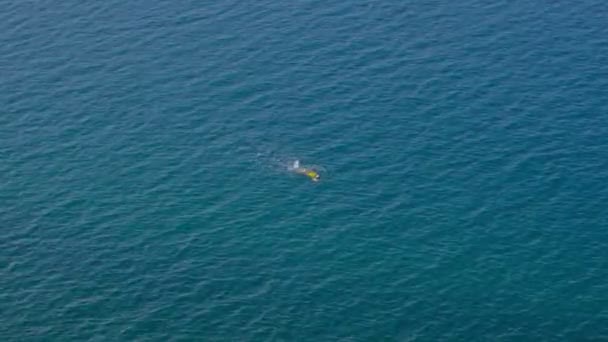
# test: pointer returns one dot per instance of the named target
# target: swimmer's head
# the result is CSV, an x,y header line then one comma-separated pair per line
x,y
314,176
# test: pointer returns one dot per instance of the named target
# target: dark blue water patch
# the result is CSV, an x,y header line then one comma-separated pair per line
x,y
145,190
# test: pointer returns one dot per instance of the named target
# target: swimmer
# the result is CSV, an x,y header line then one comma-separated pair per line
x,y
312,174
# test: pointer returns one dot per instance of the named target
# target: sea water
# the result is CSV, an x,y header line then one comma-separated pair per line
x,y
145,193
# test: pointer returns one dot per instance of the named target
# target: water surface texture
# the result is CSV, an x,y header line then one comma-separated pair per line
x,y
144,194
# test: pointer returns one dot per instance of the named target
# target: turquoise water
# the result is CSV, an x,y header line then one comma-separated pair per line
x,y
145,197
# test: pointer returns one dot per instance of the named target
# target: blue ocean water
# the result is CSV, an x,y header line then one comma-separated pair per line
x,y
144,194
